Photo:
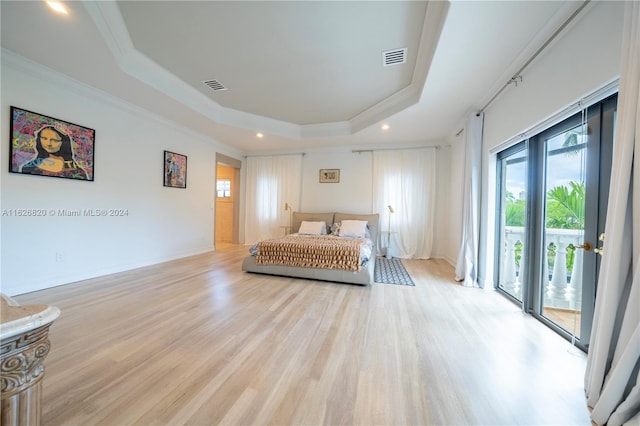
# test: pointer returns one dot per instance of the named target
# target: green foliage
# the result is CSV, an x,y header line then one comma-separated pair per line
x,y
565,206
518,253
565,210
515,213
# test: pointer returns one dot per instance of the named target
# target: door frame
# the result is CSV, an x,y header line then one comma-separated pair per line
x,y
235,190
600,119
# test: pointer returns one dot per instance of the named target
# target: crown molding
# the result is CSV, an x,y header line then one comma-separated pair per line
x,y
435,16
110,23
56,78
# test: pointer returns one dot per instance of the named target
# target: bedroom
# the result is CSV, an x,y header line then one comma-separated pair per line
x,y
130,140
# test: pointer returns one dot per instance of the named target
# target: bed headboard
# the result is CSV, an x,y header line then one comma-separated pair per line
x,y
372,219
329,218
298,217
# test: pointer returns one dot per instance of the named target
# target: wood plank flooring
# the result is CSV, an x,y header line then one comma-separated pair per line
x,y
197,341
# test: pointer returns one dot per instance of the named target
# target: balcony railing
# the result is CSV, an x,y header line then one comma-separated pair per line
x,y
563,289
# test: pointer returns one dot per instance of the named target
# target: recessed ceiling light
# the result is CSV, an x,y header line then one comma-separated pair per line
x,y
385,127
259,135
58,7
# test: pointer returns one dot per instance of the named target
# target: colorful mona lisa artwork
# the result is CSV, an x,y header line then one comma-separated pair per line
x,y
175,170
45,146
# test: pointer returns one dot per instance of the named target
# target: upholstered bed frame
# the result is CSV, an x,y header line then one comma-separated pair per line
x,y
363,276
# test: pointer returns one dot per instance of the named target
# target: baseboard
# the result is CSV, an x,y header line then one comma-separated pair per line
x,y
449,261
99,272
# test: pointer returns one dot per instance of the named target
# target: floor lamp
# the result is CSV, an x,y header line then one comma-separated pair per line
x,y
389,233
288,207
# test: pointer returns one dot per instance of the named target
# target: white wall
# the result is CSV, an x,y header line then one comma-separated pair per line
x,y
353,193
161,223
451,199
584,58
446,213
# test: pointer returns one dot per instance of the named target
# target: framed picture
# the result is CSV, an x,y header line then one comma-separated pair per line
x,y
45,146
329,175
175,170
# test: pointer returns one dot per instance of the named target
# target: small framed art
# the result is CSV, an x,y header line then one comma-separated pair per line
x,y
329,175
46,146
175,170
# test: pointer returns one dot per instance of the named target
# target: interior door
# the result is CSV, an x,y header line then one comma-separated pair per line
x,y
225,185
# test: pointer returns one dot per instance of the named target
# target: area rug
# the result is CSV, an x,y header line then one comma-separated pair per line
x,y
391,271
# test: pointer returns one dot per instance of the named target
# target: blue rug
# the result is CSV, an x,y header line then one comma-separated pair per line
x,y
391,271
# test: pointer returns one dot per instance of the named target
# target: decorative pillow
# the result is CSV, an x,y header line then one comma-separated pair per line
x,y
335,229
353,228
313,228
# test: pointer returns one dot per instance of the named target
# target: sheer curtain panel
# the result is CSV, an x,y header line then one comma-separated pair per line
x,y
613,363
405,180
271,182
467,266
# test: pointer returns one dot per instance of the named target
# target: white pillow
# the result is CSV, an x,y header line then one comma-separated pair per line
x,y
312,228
353,228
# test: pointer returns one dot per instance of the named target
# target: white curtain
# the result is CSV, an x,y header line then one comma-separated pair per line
x,y
612,382
467,266
405,180
271,182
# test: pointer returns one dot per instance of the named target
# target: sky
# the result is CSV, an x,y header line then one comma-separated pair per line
x,y
561,168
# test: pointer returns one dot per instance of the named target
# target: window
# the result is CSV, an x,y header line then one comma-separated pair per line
x,y
223,187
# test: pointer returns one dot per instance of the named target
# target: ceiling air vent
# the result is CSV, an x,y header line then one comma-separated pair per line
x,y
394,57
215,85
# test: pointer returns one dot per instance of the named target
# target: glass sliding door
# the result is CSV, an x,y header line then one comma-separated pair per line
x,y
512,200
551,197
564,225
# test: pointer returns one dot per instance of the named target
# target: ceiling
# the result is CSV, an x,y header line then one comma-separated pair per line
x,y
306,74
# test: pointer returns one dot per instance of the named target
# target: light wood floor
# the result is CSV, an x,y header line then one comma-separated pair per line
x,y
569,320
196,341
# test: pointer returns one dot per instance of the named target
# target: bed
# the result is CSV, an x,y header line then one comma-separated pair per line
x,y
337,270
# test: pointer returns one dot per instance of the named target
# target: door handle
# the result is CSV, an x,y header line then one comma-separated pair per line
x,y
586,246
600,250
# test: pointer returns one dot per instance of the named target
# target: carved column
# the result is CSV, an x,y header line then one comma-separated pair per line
x,y
24,344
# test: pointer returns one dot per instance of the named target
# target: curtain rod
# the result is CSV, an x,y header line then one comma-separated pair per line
x,y
275,155
358,151
517,75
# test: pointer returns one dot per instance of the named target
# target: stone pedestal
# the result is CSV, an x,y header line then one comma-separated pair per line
x,y
24,344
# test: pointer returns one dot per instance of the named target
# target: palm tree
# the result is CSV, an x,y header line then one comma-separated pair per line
x,y
565,206
514,211
565,210
572,139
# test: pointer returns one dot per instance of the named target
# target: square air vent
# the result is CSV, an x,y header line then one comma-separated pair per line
x,y
394,57
214,85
